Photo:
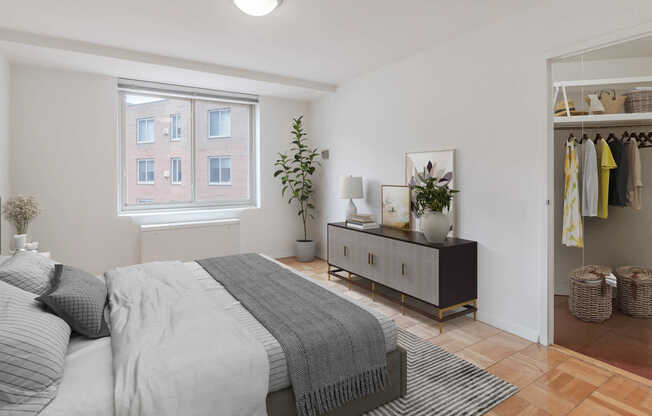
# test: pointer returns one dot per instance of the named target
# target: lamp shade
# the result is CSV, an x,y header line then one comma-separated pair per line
x,y
351,187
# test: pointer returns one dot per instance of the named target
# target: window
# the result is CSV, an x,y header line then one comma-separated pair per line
x,y
146,171
146,130
176,170
192,170
175,127
219,170
219,123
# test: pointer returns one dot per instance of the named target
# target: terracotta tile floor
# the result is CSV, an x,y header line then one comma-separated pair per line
x,y
552,382
621,341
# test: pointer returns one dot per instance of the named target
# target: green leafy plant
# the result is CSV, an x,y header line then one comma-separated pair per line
x,y
295,169
21,211
432,195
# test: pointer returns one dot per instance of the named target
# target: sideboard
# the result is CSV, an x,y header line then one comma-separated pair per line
x,y
443,275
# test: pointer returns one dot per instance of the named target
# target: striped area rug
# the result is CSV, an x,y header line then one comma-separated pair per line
x,y
440,383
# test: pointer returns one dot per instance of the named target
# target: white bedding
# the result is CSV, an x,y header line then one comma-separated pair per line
x,y
178,352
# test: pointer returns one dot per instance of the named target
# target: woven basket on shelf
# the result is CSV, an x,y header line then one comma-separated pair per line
x,y
639,102
635,291
590,298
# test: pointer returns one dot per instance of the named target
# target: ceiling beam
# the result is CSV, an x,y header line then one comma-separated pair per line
x,y
51,42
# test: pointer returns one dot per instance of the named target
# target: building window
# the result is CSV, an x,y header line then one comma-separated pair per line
x,y
176,170
219,170
175,127
219,123
198,173
145,171
145,130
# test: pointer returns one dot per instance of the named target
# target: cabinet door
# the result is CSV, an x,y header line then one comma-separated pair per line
x,y
341,247
373,257
414,270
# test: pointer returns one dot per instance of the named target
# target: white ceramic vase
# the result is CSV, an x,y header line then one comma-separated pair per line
x,y
435,225
19,241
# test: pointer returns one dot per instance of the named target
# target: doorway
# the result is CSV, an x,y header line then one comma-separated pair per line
x,y
603,134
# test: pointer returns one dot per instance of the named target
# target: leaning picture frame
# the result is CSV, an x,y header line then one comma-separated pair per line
x,y
395,206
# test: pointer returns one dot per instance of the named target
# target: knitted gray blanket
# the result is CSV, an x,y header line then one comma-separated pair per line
x,y
335,349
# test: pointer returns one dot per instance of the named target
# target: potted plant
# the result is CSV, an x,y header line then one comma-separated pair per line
x,y
295,169
20,211
431,199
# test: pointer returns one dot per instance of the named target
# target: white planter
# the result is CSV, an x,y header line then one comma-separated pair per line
x,y
19,241
305,250
435,226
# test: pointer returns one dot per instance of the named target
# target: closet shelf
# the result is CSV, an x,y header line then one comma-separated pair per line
x,y
599,120
629,81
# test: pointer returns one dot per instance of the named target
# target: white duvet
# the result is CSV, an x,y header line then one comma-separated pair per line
x,y
178,352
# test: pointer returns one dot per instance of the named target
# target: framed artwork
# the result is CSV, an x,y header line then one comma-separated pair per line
x,y
395,202
421,165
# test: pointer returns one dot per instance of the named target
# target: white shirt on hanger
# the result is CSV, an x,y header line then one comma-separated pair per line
x,y
589,179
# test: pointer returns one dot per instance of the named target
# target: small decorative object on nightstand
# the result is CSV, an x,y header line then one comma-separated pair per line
x,y
351,188
20,211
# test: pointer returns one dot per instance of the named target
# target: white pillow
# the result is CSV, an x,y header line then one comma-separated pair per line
x,y
28,271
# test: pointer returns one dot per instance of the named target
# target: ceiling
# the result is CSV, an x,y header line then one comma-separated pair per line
x,y
322,41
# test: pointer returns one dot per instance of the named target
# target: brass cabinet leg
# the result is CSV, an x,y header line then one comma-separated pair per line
x,y
403,304
329,272
348,282
475,305
373,291
441,315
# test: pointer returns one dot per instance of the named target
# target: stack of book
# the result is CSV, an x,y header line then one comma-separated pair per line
x,y
362,222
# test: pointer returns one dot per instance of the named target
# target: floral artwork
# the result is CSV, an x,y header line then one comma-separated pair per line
x,y
422,165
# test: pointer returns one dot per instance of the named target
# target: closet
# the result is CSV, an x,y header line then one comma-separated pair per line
x,y
600,308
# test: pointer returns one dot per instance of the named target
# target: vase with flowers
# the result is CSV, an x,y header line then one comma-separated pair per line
x,y
20,211
431,199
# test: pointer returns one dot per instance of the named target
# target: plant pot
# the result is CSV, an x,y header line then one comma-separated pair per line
x,y
305,250
435,226
19,241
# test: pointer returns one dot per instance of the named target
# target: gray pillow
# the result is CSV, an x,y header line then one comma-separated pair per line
x,y
28,271
32,351
79,298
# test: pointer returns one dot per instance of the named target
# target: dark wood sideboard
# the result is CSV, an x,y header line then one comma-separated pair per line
x,y
443,275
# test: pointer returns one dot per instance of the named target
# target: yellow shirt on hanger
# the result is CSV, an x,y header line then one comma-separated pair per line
x,y
606,162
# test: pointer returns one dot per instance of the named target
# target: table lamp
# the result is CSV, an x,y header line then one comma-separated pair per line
x,y
351,188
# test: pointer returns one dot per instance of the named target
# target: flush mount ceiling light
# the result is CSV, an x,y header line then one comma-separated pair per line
x,y
257,7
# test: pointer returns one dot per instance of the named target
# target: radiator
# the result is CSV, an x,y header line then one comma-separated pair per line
x,y
189,241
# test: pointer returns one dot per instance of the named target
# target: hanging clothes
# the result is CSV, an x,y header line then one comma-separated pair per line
x,y
618,176
634,179
605,164
589,178
572,227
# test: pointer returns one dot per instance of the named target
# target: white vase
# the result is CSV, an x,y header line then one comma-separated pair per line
x,y
435,226
19,241
305,250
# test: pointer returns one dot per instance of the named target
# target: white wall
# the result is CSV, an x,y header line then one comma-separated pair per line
x,y
64,152
486,95
4,147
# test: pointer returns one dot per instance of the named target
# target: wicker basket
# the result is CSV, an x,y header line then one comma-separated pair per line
x,y
639,102
635,291
590,298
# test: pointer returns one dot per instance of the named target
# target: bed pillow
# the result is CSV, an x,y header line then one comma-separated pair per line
x,y
79,298
28,271
32,352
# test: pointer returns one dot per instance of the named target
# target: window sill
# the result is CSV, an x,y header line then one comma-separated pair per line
x,y
147,142
219,137
219,184
158,217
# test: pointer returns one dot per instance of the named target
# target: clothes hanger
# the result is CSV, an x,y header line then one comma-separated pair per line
x,y
597,138
585,138
625,137
611,138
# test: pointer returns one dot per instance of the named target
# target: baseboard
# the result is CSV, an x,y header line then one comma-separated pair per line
x,y
511,327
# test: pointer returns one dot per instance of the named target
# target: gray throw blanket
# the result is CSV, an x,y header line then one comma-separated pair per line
x,y
335,349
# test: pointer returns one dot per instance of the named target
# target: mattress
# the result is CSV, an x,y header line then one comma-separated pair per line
x,y
279,376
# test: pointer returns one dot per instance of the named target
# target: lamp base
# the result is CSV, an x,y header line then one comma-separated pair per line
x,y
351,209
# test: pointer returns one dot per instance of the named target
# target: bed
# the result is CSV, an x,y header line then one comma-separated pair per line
x,y
88,363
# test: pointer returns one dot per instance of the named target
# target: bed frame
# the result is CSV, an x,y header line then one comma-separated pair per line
x,y
282,402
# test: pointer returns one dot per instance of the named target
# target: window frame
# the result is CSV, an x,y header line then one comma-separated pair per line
x,y
220,183
219,110
173,127
138,138
146,181
173,181
179,209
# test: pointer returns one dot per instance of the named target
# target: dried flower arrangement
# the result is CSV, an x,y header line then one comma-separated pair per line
x,y
21,211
